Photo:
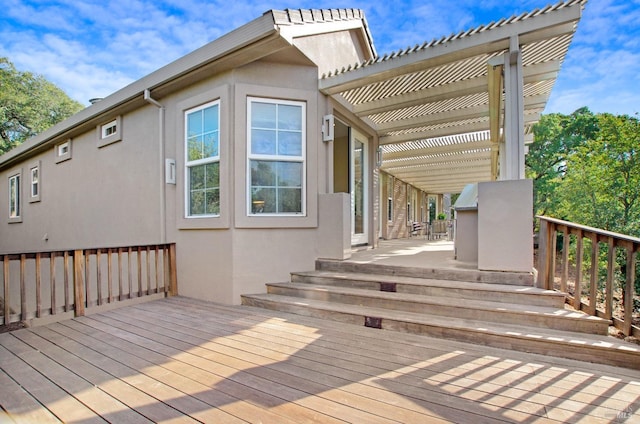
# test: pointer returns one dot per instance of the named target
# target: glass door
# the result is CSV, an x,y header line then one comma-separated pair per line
x,y
359,188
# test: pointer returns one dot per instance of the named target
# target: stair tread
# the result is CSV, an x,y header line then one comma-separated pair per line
x,y
457,274
456,284
512,330
447,301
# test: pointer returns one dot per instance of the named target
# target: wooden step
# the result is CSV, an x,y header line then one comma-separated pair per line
x,y
458,274
564,344
536,316
504,293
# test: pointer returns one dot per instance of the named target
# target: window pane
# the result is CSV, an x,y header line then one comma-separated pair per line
x,y
263,115
210,145
290,143
289,200
289,174
212,202
14,196
196,202
289,117
212,175
263,200
211,119
263,142
263,173
196,177
194,123
194,148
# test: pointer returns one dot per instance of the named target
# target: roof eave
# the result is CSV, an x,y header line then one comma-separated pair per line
x,y
259,29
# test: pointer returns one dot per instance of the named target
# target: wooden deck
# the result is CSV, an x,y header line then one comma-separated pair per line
x,y
183,360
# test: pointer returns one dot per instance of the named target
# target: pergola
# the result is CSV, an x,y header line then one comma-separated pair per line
x,y
460,109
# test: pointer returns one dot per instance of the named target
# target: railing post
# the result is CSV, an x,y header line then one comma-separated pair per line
x,y
611,261
173,272
593,280
23,289
7,300
629,290
78,283
543,253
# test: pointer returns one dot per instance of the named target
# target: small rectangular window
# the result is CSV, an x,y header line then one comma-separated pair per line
x,y
15,201
34,184
63,151
390,209
110,132
109,129
276,157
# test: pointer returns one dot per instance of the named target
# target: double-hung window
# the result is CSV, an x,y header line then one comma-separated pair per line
x,y
14,197
202,160
276,157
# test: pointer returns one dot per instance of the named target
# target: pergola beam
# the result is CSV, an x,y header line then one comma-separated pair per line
x,y
439,132
449,148
480,163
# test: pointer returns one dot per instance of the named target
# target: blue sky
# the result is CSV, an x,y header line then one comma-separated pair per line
x,y
91,48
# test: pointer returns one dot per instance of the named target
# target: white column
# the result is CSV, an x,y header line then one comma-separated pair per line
x,y
512,156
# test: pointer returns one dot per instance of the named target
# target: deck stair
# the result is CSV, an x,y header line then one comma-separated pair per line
x,y
495,309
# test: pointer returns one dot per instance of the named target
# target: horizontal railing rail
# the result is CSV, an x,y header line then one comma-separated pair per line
x,y
609,259
41,284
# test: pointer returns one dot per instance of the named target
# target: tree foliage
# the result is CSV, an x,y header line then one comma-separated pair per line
x,y
29,104
586,169
556,138
601,187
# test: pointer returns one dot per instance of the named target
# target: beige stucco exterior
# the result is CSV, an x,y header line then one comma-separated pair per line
x,y
117,195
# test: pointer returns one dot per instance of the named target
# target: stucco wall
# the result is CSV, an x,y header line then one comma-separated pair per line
x,y
221,258
333,50
107,196
505,226
112,196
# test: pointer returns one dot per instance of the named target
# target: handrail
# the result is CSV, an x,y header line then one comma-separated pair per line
x,y
33,279
600,300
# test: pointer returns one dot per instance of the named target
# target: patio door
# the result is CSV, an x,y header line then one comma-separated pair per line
x,y
358,171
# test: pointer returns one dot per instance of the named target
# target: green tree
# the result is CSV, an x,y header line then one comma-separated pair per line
x,y
29,104
556,138
601,187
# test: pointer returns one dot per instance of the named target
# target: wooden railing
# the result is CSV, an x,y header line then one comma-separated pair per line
x,y
609,259
41,284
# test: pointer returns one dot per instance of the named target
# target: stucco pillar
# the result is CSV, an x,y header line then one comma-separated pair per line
x,y
513,150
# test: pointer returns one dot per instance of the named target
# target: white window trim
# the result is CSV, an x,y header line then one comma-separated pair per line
x,y
279,158
188,164
105,139
37,167
15,176
60,156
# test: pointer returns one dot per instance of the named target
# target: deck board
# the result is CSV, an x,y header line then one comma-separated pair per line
x,y
185,360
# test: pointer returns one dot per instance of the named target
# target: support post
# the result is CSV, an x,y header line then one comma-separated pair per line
x,y
173,272
514,114
78,283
